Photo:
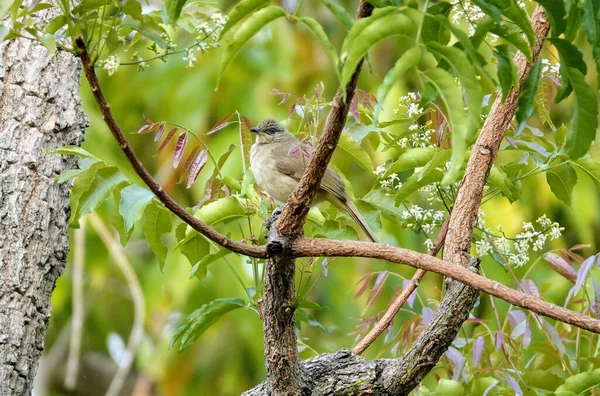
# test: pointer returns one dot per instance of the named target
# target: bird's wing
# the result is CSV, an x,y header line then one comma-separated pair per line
x,y
294,165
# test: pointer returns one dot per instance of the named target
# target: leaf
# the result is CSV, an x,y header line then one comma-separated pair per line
x,y
195,247
561,180
207,260
157,222
167,139
134,200
530,287
384,203
458,361
453,101
188,163
591,167
590,21
500,180
468,80
74,150
91,189
406,61
555,10
197,165
159,132
317,30
528,93
172,9
478,347
54,25
353,150
306,317
413,158
222,123
579,384
560,266
417,181
222,210
585,116
147,27
508,75
355,46
514,385
432,30
247,30
201,319
240,11
179,149
340,13
116,219
149,128
582,276
570,56
245,141
359,25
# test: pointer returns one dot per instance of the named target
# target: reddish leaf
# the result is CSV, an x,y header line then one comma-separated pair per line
x,y
498,340
167,139
285,97
292,110
197,165
354,108
478,347
579,247
147,128
148,120
247,122
319,89
561,266
179,149
377,288
595,307
574,256
530,287
276,91
222,123
365,282
159,132
188,163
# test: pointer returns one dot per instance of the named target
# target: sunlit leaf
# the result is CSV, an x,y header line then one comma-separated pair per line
x,y
500,180
351,149
207,260
246,31
579,384
560,266
147,27
241,10
317,30
417,181
562,179
590,167
134,200
340,13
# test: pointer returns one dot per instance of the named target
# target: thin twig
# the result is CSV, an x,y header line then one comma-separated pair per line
x,y
78,307
209,232
139,304
388,317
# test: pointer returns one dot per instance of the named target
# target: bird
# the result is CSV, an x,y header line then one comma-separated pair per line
x,y
278,166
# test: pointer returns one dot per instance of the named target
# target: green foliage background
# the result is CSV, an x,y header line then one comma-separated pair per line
x,y
227,358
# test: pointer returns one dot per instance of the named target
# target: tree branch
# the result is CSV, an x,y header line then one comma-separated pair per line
x,y
395,306
115,129
294,213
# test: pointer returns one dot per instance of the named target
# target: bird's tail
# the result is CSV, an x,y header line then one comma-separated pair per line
x,y
350,208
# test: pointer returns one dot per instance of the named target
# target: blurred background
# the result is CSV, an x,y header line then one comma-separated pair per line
x,y
228,358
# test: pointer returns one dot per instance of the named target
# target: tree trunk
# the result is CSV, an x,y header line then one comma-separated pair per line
x,y
40,110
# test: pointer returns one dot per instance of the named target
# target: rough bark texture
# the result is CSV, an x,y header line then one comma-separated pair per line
x,y
40,110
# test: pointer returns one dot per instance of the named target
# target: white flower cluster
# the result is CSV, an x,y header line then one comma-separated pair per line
x,y
427,219
207,38
111,64
516,250
464,10
142,65
549,68
420,134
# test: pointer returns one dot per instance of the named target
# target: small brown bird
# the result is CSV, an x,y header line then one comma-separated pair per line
x,y
278,161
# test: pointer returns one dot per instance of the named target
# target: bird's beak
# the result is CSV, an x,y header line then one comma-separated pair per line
x,y
255,130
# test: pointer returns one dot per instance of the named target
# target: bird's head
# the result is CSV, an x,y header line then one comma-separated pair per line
x,y
270,131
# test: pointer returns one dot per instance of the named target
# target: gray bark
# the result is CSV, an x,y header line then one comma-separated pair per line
x,y
40,110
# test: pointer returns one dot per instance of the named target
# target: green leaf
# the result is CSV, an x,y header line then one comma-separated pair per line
x,y
528,94
242,10
49,41
590,20
83,183
221,210
432,29
452,97
331,229
500,180
134,200
304,316
201,319
74,150
172,9
105,180
591,167
89,5
385,204
359,25
340,13
147,27
413,158
579,384
585,116
356,46
195,247
555,10
519,16
116,219
55,24
67,174
410,58
247,30
570,56
468,80
317,30
561,180
514,37
508,75
417,181
157,222
351,149
449,388
207,260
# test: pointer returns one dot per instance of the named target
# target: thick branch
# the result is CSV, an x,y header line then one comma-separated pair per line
x,y
207,231
294,214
